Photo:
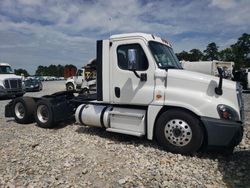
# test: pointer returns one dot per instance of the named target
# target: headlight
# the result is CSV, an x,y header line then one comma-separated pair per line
x,y
227,113
1,88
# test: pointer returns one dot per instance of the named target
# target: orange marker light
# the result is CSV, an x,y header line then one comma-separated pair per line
x,y
158,96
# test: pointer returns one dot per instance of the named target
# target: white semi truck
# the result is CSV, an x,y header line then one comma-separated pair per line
x,y
142,90
10,84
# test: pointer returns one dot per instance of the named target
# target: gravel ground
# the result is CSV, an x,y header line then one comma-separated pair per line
x,y
75,156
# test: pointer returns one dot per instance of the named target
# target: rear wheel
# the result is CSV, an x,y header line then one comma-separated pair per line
x,y
179,132
24,109
19,95
44,114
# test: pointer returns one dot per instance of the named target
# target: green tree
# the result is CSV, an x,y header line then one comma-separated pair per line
x,y
226,55
51,70
211,52
21,72
41,71
241,51
183,56
195,55
60,71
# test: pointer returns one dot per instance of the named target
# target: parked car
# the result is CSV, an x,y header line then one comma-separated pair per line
x,y
41,78
33,84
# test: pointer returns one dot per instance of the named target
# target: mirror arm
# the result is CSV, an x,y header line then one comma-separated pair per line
x,y
136,74
218,90
143,76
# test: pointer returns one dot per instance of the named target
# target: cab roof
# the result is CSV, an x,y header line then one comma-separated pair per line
x,y
146,36
4,64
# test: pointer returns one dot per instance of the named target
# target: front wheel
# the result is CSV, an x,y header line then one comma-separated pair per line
x,y
70,87
179,131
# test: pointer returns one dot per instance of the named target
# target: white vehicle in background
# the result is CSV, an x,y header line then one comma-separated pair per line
x,y
210,67
247,72
84,80
10,84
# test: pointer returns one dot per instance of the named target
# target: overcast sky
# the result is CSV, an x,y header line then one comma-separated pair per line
x,y
44,32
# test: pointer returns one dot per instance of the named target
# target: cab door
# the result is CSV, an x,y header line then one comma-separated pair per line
x,y
79,78
126,87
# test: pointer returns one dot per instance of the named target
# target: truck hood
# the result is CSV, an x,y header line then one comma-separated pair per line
x,y
195,78
196,92
6,76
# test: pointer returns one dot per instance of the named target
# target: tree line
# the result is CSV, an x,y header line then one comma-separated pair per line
x,y
51,70
239,53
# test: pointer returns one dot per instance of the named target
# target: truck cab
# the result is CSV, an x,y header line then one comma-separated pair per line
x,y
140,71
10,84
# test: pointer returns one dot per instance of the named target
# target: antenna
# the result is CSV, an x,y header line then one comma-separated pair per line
x,y
109,24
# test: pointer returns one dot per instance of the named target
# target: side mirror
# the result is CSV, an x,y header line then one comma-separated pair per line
x,y
132,59
220,71
218,90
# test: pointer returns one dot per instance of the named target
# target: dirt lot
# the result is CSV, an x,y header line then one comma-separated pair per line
x,y
75,156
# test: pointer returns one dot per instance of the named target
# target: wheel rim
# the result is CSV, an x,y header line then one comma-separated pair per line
x,y
178,132
19,110
70,87
43,113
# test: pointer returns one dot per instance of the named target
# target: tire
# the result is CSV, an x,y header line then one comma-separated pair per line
x,y
70,87
178,131
19,95
43,114
23,110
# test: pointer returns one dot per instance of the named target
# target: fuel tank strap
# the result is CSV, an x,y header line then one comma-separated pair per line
x,y
80,115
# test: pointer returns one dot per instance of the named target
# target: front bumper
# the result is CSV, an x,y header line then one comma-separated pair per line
x,y
222,133
32,88
11,92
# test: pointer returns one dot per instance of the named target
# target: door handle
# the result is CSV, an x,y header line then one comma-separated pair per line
x,y
117,92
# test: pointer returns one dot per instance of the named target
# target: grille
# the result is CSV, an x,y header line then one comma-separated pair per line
x,y
13,83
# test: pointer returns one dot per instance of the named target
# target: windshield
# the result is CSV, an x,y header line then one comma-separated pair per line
x,y
164,56
6,70
79,72
31,81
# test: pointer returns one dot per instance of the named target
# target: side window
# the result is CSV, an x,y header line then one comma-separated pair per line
x,y
122,57
79,73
